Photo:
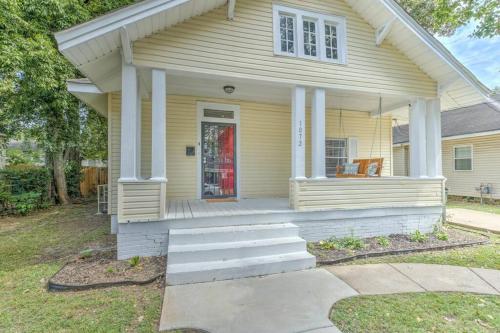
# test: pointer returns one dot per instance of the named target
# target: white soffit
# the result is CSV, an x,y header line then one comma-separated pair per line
x,y
459,87
87,92
92,40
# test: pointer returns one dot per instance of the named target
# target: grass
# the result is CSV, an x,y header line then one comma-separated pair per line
x,y
487,207
427,312
484,256
34,247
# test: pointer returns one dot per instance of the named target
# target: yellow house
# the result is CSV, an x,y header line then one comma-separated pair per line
x,y
228,120
470,148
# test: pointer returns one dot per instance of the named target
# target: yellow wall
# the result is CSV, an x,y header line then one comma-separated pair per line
x,y
265,144
243,48
400,161
485,166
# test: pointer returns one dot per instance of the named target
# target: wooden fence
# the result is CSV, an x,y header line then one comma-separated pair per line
x,y
92,176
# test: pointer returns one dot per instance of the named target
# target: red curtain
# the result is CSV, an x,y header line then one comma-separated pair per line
x,y
226,160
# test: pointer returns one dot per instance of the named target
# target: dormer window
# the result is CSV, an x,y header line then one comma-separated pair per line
x,y
309,35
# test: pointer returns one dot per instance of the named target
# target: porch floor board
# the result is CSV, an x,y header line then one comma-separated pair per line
x,y
189,209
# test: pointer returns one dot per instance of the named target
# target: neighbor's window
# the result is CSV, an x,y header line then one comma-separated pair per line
x,y
463,158
336,154
299,33
331,41
309,38
287,33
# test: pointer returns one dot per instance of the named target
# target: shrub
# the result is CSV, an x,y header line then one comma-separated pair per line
x,y
441,235
25,203
328,244
352,243
383,241
85,254
417,236
134,261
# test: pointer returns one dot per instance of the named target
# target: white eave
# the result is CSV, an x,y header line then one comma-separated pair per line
x,y
90,94
93,47
457,85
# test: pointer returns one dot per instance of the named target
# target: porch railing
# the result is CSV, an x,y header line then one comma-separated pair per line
x,y
379,192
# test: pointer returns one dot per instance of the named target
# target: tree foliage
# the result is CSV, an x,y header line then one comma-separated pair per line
x,y
443,17
33,74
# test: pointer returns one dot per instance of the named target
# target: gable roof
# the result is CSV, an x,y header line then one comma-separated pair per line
x,y
481,118
92,46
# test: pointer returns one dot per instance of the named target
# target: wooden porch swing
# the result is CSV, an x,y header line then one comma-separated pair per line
x,y
367,167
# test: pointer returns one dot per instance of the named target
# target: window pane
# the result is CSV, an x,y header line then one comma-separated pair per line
x,y
289,23
283,46
313,51
283,21
463,164
463,152
290,47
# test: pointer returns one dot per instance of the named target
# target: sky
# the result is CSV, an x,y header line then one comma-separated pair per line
x,y
481,56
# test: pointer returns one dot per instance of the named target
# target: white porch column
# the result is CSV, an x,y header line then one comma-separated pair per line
x,y
418,146
129,125
159,125
433,128
298,132
318,134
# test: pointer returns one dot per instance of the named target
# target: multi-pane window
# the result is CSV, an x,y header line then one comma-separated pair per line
x,y
303,34
331,46
336,154
287,33
463,158
310,41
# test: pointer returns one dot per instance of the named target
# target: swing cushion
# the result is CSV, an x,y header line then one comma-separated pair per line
x,y
372,169
351,168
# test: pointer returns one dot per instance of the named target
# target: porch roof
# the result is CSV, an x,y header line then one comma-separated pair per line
x,y
93,47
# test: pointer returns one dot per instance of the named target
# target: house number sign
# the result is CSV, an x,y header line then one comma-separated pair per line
x,y
300,132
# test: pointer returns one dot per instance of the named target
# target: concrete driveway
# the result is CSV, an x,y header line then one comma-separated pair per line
x,y
474,219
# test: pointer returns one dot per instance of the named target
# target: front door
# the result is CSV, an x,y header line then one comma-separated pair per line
x,y
218,160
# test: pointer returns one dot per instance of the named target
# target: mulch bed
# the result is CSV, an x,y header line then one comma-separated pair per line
x,y
399,244
101,271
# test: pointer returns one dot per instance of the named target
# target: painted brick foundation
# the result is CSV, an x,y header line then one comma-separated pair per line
x,y
151,238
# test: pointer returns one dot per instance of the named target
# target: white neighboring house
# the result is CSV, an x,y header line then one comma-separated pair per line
x,y
470,147
227,120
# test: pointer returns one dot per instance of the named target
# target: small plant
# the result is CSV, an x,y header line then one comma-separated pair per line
x,y
85,254
417,236
383,241
134,261
329,244
110,270
351,243
441,235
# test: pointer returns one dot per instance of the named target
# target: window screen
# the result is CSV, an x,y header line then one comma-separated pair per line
x,y
336,154
463,158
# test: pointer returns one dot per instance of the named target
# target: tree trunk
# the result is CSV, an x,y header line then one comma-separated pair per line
x,y
60,178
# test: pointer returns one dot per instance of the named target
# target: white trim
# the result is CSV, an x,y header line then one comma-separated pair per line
x,y
471,157
318,153
298,133
436,46
417,134
110,22
200,107
320,19
74,86
158,124
126,46
231,4
383,31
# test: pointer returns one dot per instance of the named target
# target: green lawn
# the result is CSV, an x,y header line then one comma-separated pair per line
x,y
33,248
487,207
428,312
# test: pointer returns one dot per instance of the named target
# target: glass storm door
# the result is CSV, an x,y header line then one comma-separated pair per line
x,y
218,163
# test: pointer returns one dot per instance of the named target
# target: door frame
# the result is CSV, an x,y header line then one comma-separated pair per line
x,y
201,106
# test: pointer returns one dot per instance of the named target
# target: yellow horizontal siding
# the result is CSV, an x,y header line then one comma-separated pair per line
x,y
400,161
243,48
139,201
369,193
265,144
485,168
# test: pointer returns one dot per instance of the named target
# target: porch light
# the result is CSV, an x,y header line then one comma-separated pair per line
x,y
229,89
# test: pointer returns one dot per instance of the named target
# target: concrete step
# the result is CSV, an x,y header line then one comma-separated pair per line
x,y
183,254
238,268
231,233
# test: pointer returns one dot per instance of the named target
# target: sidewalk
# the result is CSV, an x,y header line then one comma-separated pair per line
x,y
474,219
300,302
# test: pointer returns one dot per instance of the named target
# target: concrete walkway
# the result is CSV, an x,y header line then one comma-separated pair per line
x,y
301,301
475,219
